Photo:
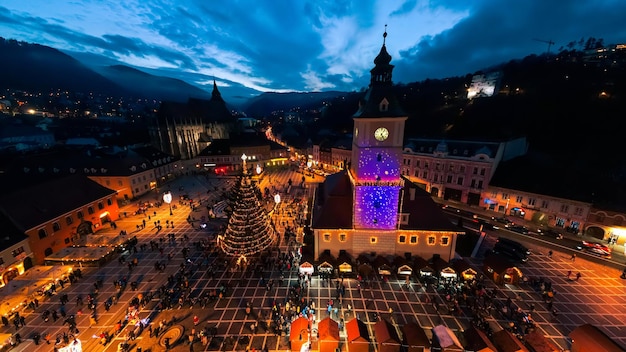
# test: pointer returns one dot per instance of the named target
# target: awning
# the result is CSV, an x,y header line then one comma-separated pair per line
x,y
306,268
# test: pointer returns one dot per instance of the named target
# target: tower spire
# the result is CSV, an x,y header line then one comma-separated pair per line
x,y
385,35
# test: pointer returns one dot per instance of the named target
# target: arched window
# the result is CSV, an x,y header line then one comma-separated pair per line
x,y
90,210
56,227
100,205
42,233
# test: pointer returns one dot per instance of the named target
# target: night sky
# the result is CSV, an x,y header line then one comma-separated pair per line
x,y
308,45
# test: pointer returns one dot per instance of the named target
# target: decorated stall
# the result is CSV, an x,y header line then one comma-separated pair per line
x,y
415,338
299,334
358,337
386,337
328,335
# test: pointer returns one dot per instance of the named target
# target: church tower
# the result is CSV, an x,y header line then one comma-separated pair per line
x,y
377,151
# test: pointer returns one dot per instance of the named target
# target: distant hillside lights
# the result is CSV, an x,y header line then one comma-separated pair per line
x,y
483,85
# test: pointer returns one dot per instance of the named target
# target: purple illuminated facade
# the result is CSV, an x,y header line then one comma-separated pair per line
x,y
370,207
376,207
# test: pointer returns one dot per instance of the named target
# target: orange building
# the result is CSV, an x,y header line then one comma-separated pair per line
x,y
53,214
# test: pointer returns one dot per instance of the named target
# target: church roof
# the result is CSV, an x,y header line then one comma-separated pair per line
x,y
206,111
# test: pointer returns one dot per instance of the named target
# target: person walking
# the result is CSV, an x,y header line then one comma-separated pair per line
x,y
573,258
550,254
569,273
578,275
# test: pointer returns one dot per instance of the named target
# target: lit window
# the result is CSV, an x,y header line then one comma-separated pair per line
x,y
414,239
445,240
373,240
402,239
342,237
326,237
432,240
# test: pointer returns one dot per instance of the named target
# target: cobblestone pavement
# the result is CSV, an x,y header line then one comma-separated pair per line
x,y
595,298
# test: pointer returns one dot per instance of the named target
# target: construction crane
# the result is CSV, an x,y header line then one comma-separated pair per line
x,y
549,42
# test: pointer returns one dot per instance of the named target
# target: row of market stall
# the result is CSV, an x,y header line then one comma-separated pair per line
x,y
411,337
495,267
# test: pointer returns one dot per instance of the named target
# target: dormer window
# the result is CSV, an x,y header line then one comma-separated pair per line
x,y
384,105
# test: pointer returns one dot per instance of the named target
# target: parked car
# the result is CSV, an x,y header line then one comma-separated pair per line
x,y
595,248
513,244
519,229
515,255
502,220
486,224
550,233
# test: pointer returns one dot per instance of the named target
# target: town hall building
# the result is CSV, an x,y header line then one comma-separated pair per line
x,y
370,208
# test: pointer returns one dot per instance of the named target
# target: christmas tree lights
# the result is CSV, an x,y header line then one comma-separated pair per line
x,y
249,229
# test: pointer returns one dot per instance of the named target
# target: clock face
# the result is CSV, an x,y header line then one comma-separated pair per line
x,y
381,134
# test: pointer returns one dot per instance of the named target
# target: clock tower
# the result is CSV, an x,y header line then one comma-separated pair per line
x,y
377,151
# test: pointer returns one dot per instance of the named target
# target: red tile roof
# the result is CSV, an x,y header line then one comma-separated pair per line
x,y
328,330
415,336
299,326
357,331
589,338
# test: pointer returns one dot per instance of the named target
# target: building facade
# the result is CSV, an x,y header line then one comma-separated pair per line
x,y
59,211
224,155
369,207
15,253
185,129
457,170
569,215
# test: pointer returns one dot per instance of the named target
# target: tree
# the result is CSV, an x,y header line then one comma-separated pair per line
x,y
249,231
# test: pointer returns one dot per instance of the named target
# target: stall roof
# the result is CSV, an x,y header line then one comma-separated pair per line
x,y
476,340
498,263
297,326
328,329
539,343
446,337
357,331
589,338
80,254
414,335
386,333
507,342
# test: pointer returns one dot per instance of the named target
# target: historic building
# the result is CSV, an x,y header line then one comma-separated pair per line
x,y
185,129
370,207
224,155
454,169
55,213
15,253
131,172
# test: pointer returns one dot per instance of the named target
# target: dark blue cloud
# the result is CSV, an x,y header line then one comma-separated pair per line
x,y
311,44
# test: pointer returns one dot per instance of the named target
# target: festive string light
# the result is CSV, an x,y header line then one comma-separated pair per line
x,y
249,230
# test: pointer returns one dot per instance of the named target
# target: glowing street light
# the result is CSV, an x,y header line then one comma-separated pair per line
x,y
258,169
167,198
277,198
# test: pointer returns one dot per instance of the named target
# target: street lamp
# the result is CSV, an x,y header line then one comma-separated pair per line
x,y
167,198
258,169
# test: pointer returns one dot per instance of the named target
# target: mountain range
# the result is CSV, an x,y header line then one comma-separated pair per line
x,y
39,68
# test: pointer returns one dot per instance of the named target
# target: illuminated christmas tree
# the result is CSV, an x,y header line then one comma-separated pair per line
x,y
249,229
